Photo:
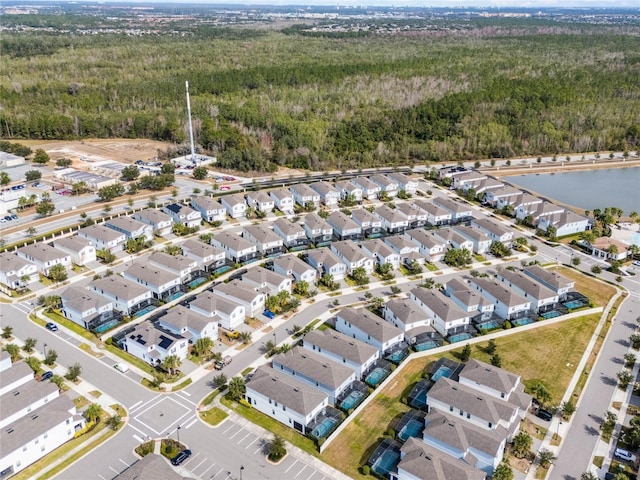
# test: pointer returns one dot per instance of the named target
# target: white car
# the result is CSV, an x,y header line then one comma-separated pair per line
x,y
121,367
625,455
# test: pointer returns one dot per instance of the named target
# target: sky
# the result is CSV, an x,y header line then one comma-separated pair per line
x,y
534,4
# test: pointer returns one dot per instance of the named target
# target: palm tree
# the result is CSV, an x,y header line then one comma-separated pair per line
x,y
93,412
237,388
202,347
13,350
171,363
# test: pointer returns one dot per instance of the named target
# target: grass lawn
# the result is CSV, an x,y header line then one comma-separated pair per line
x,y
527,353
214,416
598,292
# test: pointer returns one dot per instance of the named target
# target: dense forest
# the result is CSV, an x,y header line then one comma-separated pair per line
x,y
262,98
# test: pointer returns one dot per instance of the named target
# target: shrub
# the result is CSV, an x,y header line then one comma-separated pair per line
x,y
507,324
366,470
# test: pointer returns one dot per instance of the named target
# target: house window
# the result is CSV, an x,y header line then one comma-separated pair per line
x,y
490,425
451,408
461,413
269,401
468,415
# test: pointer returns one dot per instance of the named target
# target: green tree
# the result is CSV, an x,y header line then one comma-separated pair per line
x,y
29,344
129,173
499,249
45,208
108,193
171,363
359,276
57,380
541,393
465,353
588,476
625,377
7,331
237,388
491,347
58,273
41,156
73,372
200,173
114,422
33,363
277,448
457,257
301,288
202,347
13,350
608,423
244,338
32,175
78,188
546,457
496,360
414,267
503,472
629,359
568,408
596,269
522,444
635,341
92,412
51,357
4,179
64,162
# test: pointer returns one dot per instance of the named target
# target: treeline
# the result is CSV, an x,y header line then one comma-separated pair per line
x,y
262,99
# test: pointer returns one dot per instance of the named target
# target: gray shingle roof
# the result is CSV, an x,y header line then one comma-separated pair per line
x,y
451,205
126,223
490,376
391,215
424,238
405,310
119,287
439,303
208,204
499,291
262,275
465,294
201,249
172,262
550,277
286,390
369,323
313,366
472,233
526,284
151,467
42,252
349,250
339,220
15,372
490,226
10,262
293,263
428,463
181,317
377,246
287,227
153,216
150,274
81,299
236,289
262,234
479,405
233,241
102,233
430,208
324,256
75,243
341,345
209,302
26,394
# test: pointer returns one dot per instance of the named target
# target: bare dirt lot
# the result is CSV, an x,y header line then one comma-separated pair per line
x,y
97,150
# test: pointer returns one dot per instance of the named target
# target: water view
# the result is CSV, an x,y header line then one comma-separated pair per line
x,y
588,189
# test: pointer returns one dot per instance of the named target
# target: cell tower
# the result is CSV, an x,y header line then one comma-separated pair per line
x,y
193,153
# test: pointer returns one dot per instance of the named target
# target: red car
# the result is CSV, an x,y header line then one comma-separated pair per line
x,y
225,187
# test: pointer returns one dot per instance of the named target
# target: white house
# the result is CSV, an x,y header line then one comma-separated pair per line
x,y
393,220
459,211
405,183
381,252
236,248
494,230
501,196
160,222
183,214
326,262
153,344
285,398
44,256
565,223
127,296
182,265
292,234
507,304
207,256
387,185
317,229
328,376
86,308
430,246
559,284
189,324
235,205
469,299
452,238
81,250
267,281
210,209
539,295
133,229
348,190
260,201
444,313
416,216
104,238
357,355
243,294
283,200
369,223
405,314
16,272
436,216
162,283
225,312
368,328
609,248
343,227
36,419
460,181
419,461
304,195
481,241
353,256
329,195
267,242
296,268
370,190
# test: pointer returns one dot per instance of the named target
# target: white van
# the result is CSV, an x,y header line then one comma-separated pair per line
x,y
121,367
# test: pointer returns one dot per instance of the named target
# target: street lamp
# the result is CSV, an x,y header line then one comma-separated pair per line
x,y
242,467
558,429
275,342
45,349
178,432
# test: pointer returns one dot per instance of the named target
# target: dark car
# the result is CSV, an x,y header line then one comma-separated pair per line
x,y
269,314
47,375
14,216
544,414
181,457
52,326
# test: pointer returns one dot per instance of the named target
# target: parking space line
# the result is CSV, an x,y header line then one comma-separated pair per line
x,y
126,464
230,427
219,472
305,466
291,466
117,472
241,430
254,441
312,474
190,424
102,477
191,459
258,449
210,467
133,407
240,441
194,468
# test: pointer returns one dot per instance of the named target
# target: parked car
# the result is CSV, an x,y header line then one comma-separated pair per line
x,y
225,187
14,216
121,367
544,414
269,314
181,457
8,218
624,455
46,375
52,326
219,365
